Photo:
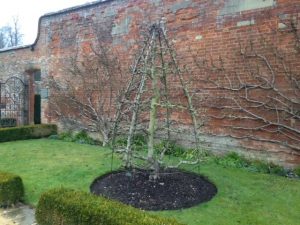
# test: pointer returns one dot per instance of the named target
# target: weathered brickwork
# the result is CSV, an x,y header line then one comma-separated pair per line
x,y
207,28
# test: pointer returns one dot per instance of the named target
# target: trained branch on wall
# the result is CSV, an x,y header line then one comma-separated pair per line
x,y
86,96
259,99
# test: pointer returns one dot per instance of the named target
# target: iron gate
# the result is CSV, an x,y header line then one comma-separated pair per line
x,y
13,102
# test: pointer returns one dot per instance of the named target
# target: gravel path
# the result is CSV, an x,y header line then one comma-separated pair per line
x,y
5,221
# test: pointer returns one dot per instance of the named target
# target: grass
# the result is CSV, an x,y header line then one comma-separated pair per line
x,y
44,164
243,197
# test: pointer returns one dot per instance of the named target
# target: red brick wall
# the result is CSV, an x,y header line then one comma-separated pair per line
x,y
206,28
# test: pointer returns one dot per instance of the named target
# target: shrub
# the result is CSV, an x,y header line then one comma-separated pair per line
x,y
276,169
259,166
83,138
297,171
139,142
121,141
11,189
27,132
65,206
66,136
8,122
171,148
54,137
233,159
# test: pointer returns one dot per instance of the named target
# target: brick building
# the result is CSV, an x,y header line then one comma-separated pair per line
x,y
209,30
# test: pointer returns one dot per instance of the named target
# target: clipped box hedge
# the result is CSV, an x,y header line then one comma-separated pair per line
x,y
11,189
65,206
27,132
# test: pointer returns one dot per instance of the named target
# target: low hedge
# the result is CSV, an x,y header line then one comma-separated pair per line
x,y
27,132
11,189
66,206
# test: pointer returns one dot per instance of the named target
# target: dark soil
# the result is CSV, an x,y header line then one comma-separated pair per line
x,y
173,190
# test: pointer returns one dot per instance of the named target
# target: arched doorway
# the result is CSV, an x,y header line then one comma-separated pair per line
x,y
13,102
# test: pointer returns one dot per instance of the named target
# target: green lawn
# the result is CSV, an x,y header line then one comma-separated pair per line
x,y
243,197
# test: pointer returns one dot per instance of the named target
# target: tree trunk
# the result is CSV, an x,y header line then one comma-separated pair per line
x,y
153,117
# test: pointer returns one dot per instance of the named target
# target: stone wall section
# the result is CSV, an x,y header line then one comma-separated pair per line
x,y
208,27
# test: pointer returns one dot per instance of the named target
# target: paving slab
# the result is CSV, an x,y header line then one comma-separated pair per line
x,y
17,215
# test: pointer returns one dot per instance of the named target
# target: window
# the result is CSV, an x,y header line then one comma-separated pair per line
x,y
37,75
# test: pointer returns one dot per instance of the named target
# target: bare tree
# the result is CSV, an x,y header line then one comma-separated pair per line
x,y
14,34
3,40
10,35
260,98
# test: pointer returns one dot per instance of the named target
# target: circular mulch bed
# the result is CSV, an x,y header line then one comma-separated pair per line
x,y
173,190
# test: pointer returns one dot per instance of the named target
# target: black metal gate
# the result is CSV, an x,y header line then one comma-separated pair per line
x,y
13,103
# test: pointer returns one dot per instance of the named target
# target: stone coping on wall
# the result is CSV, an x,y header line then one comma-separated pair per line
x,y
63,11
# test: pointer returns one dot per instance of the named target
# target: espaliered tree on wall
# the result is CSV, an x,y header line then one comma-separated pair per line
x,y
85,98
259,99
161,93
